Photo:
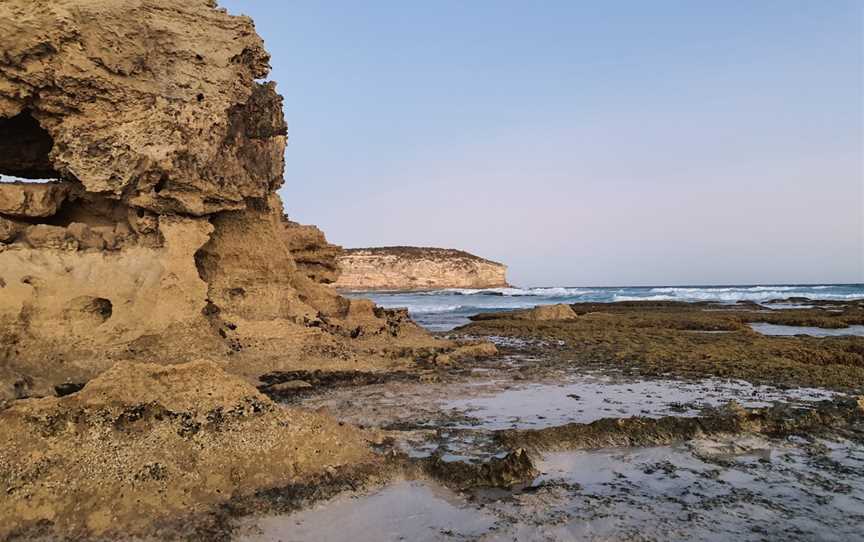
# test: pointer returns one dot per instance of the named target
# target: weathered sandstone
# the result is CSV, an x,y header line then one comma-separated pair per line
x,y
312,253
416,268
163,239
152,102
160,243
33,200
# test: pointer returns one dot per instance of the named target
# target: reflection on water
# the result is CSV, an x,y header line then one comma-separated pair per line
x,y
788,331
492,399
743,488
402,511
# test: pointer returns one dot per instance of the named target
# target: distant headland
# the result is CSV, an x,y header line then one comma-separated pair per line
x,y
416,268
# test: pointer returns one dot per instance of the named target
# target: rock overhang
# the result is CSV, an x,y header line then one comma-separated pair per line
x,y
136,102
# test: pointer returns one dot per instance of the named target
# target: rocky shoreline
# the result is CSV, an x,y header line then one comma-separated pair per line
x,y
148,286
159,415
488,429
175,363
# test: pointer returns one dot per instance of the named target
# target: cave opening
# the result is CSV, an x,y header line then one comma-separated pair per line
x,y
24,149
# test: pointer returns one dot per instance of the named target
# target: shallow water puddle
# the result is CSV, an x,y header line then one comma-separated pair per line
x,y
497,401
402,511
590,398
746,488
456,419
789,331
701,491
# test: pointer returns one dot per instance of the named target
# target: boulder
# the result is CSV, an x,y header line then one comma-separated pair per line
x,y
559,311
45,236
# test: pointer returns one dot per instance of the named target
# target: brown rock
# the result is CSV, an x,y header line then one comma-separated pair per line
x,y
473,351
45,236
145,443
171,154
86,237
143,222
32,199
9,229
549,312
312,253
158,103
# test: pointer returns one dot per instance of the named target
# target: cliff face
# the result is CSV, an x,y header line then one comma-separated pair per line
x,y
312,253
416,268
162,238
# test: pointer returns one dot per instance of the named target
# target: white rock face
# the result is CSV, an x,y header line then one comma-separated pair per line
x,y
416,268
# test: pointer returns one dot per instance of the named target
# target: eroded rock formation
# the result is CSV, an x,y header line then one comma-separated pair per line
x,y
313,255
162,238
146,289
416,268
146,443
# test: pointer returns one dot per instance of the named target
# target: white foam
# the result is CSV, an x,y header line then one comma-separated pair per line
x,y
692,289
729,296
517,292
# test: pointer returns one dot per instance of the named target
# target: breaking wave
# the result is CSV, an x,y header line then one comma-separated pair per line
x,y
516,292
446,309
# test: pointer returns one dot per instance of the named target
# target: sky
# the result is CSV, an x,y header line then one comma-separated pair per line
x,y
581,143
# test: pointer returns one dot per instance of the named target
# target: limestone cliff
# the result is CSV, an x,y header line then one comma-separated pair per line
x,y
416,268
312,253
162,237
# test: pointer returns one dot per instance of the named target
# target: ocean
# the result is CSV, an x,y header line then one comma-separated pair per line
x,y
442,310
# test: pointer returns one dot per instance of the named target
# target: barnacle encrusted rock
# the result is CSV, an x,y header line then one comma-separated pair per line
x,y
144,443
163,239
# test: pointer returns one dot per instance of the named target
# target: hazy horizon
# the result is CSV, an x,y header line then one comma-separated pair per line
x,y
620,143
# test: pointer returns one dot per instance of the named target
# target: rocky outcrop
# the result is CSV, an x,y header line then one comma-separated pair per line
x,y
416,268
162,238
32,200
152,102
313,255
159,243
144,443
540,313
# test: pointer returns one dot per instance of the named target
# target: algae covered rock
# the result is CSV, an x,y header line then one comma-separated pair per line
x,y
145,443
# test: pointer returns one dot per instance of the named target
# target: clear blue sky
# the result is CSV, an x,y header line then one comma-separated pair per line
x,y
581,143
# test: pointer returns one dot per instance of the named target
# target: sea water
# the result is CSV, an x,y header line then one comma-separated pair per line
x,y
442,310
